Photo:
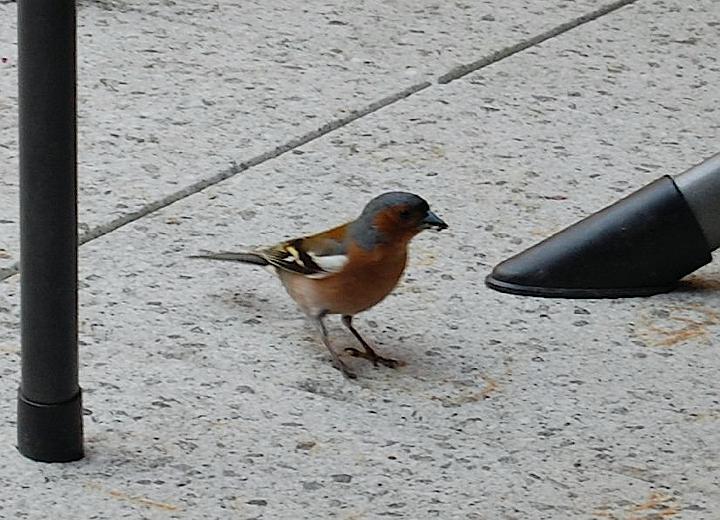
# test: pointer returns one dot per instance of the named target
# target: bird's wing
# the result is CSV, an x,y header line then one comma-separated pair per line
x,y
315,256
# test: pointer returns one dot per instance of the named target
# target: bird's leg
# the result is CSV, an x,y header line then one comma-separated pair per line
x,y
337,362
369,353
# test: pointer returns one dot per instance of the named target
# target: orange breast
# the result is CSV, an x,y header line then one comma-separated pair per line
x,y
365,281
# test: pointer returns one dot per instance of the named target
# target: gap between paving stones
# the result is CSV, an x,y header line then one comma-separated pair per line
x,y
455,73
463,70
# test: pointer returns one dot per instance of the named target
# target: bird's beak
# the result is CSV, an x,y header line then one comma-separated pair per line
x,y
432,221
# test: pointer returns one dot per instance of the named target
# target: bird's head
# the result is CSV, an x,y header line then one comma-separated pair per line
x,y
394,216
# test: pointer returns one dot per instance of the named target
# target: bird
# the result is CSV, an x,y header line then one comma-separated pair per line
x,y
347,269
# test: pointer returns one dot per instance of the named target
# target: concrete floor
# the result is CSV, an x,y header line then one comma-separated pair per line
x,y
215,127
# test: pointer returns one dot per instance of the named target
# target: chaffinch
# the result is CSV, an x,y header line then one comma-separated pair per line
x,y
347,269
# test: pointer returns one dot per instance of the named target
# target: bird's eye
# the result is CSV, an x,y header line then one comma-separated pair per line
x,y
405,214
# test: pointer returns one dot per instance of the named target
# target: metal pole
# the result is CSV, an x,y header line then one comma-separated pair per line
x,y
49,401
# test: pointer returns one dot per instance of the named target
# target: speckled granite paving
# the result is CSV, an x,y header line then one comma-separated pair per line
x,y
209,396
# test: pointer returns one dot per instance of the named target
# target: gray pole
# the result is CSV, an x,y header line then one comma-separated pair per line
x,y
49,401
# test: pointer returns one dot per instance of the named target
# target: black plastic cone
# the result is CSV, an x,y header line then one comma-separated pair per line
x,y
641,245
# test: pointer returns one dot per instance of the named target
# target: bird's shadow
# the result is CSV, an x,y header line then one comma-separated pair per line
x,y
419,359
438,373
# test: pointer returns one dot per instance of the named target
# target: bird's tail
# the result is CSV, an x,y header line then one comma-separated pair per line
x,y
245,258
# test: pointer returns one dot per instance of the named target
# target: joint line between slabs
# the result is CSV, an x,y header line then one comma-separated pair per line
x,y
463,70
196,187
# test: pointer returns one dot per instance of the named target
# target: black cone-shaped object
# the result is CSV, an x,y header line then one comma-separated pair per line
x,y
639,246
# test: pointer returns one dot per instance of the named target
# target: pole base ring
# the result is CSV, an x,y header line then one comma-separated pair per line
x,y
50,432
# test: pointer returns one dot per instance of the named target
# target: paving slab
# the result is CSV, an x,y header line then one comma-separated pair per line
x,y
171,93
208,396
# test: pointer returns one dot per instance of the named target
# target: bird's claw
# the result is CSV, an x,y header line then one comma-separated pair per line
x,y
388,362
372,356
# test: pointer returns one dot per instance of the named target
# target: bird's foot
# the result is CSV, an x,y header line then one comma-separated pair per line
x,y
371,355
